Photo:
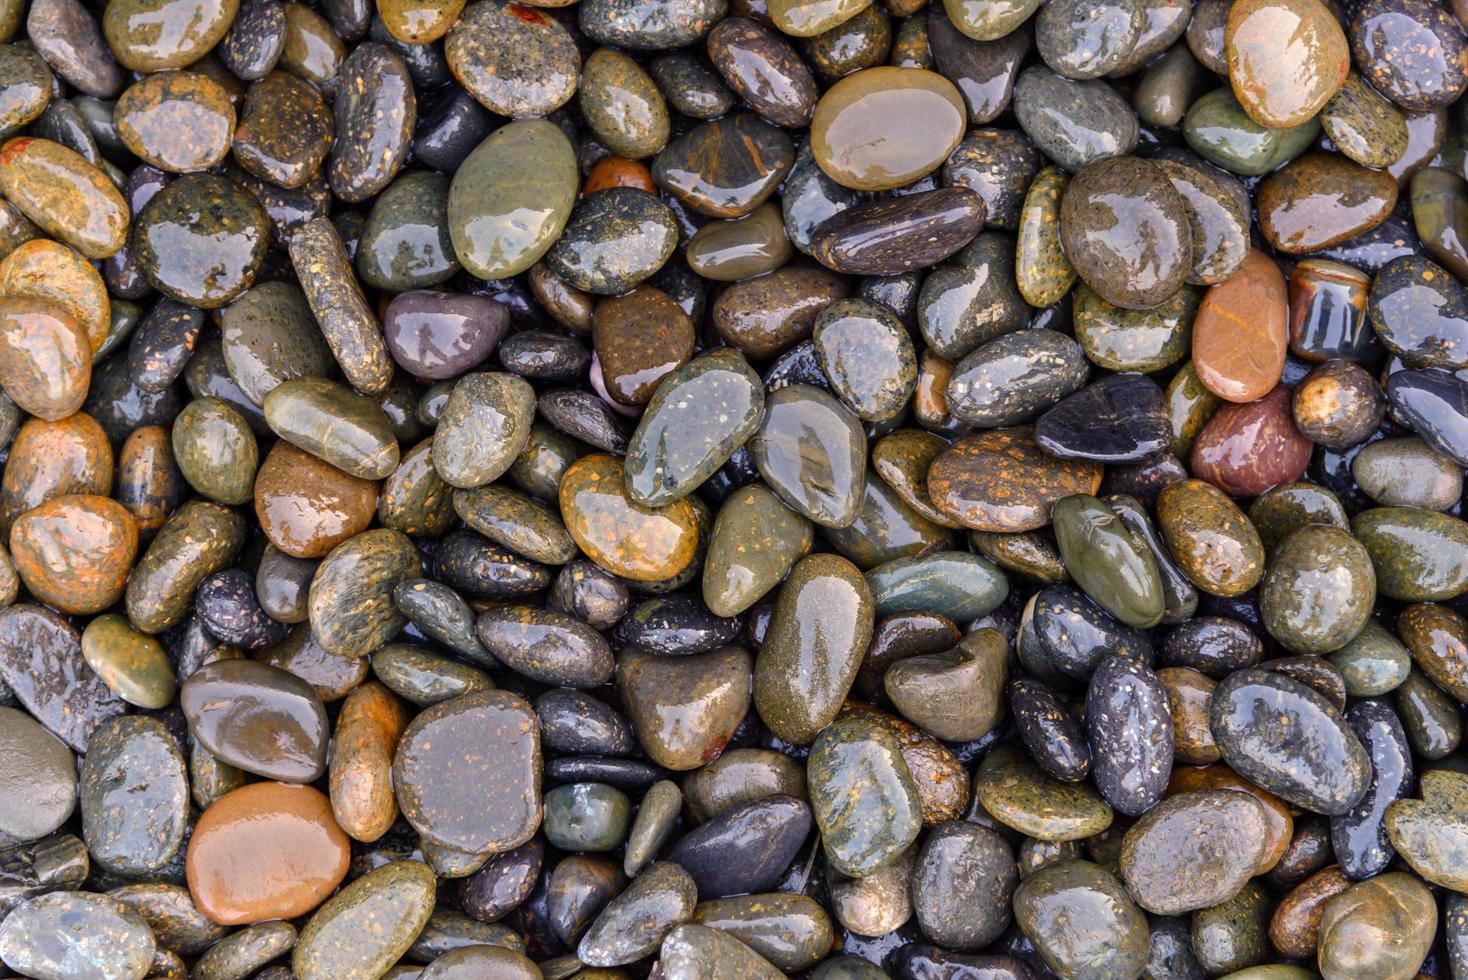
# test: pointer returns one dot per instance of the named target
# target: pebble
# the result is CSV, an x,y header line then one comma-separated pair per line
x,y
1185,854
69,934
1285,59
1051,905
919,113
365,927
1318,200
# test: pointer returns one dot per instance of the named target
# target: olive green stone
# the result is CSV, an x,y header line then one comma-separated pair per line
x,y
1383,927
1437,638
1030,554
484,426
901,459
698,416
1015,377
334,423
349,325
622,105
635,922
215,450
351,603
1419,555
368,925
25,87
132,664
1233,934
740,776
270,337
405,244
199,539
1107,561
518,522
711,954
1166,87
425,678
885,529
727,251
134,792
415,500
791,931
613,240
867,355
955,584
1189,407
1210,538
1407,473
989,20
1082,922
1041,269
1019,794
820,629
1074,122
1373,662
586,817
957,696
657,816
248,949
1431,833
1120,339
755,542
1221,132
511,197
1429,716
1218,216
1193,850
812,452
1363,125
972,298
147,35
38,787
863,798
1319,590
171,913
201,239
1277,512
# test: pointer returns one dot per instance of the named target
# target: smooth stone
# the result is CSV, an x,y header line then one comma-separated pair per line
x,y
1294,929
1373,663
1429,716
334,423
1420,313
727,167
68,36
1074,123
1129,726
622,104
1275,513
792,931
1165,87
199,539
1118,419
901,459
477,567
998,165
1107,561
1438,204
763,69
1210,538
973,298
1418,555
269,337
179,122
1042,270
649,26
657,816
201,240
131,664
1289,740
1053,736
1081,921
285,130
501,227
259,718
306,506
516,65
351,607
1286,58
804,670
613,240
765,315
369,725
147,35
635,923
1119,339
1219,130
134,796
961,586
914,231
586,817
46,270
1412,52
45,369
690,86
265,851
425,678
441,335
823,485
1383,927
1319,590
405,244
1218,217
1183,855
68,934
516,521
673,626
1338,405
962,885
983,70
1014,377
67,197
1098,235
864,799
756,540
40,777
1240,332
255,40
1190,698
485,425
215,450
547,646
1087,41
1434,404
646,544
75,552
641,339
955,695
1365,126
1001,481
1233,934
1018,794
1245,449
884,127
1321,200
442,614
364,928
1359,838
867,355
742,247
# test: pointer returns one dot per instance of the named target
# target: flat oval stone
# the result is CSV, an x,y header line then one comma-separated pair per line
x,y
1082,921
1319,591
1080,41
648,26
1043,272
375,111
1277,512
641,543
1321,200
1129,725
1365,126
791,931
201,239
803,673
1001,481
1015,376
1384,927
1435,404
867,355
1285,59
70,40
1119,339
371,721
685,709
441,335
72,934
1073,122
351,607
515,60
1107,561
405,244
547,646
1210,538
1099,236
130,663
865,802
1194,850
756,540
330,421
1053,736
823,485
742,247
1247,448
484,426
179,121
885,127
258,718
725,168
1118,419
41,774
745,849
764,69
306,506
441,787
65,196
269,337
1240,332
134,796
285,130
147,35
614,239
972,299
883,238
199,539
45,367
1288,739
634,923
75,552
364,928
1420,313
511,197
1419,555
956,695
47,270
1019,794
265,851
1415,53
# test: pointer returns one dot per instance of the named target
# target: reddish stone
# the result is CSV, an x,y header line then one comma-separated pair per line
x,y
1246,449
1242,330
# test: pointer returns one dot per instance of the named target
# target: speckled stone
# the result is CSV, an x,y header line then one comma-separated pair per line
x,y
1321,200
67,197
864,800
1414,53
515,60
70,933
1001,481
614,240
1073,122
179,121
1194,850
390,904
1210,538
1082,921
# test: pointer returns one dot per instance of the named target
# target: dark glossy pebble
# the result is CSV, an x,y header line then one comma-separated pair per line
x,y
476,566
764,69
810,198
1420,313
690,86
198,539
582,415
1073,122
226,604
255,39
962,885
442,335
544,356
725,168
1328,302
577,890
614,240
504,882
1015,376
1412,51
576,723
972,298
865,353
983,71
547,646
634,923
1049,730
1119,419
1319,590
675,625
1359,836
998,165
443,615
1289,740
1435,404
162,344
767,314
589,593
1338,405
259,718
405,244
201,240
915,231
375,112
1064,636
134,796
451,123
1212,645
632,775
745,849
1129,726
